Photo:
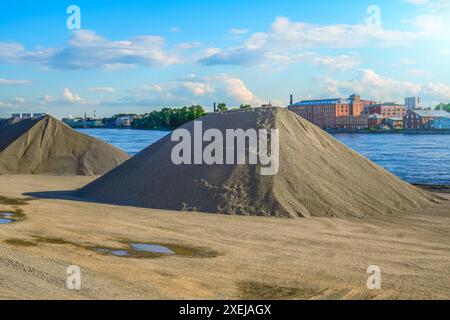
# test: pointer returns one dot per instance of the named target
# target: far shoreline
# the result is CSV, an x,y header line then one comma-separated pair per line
x,y
330,131
435,188
403,131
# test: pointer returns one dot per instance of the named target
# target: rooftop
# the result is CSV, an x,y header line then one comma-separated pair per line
x,y
386,104
432,113
321,102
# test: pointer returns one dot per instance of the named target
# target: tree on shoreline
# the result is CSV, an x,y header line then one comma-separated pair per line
x,y
446,107
168,118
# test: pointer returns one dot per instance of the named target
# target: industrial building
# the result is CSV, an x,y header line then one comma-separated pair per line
x,y
333,113
420,119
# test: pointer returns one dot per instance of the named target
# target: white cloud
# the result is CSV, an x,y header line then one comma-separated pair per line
x,y
430,4
374,86
198,88
69,96
419,73
194,90
17,101
14,53
417,2
236,88
102,89
340,62
46,99
238,32
87,50
9,82
288,40
438,91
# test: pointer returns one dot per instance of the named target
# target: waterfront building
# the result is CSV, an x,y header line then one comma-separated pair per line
x,y
387,110
322,113
123,121
419,119
351,122
395,123
325,113
375,121
440,123
83,123
27,115
16,116
412,103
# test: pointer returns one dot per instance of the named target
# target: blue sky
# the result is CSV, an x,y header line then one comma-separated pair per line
x,y
135,56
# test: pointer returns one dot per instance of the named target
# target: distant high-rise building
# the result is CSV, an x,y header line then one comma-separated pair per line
x,y
412,103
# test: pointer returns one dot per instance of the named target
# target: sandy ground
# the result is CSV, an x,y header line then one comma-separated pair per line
x,y
314,258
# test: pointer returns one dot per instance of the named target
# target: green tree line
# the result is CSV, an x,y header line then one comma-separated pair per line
x,y
446,107
168,118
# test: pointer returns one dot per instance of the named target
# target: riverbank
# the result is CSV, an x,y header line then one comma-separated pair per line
x,y
330,131
435,188
248,257
403,131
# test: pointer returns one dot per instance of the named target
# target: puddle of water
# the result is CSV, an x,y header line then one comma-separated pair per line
x,y
5,221
118,253
141,250
10,215
7,214
153,248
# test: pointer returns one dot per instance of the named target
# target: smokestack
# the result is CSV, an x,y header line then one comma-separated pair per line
x,y
214,107
291,101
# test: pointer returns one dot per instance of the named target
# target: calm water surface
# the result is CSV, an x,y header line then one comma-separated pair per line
x,y
131,141
421,158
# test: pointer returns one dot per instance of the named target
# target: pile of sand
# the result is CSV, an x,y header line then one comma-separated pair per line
x,y
318,176
47,146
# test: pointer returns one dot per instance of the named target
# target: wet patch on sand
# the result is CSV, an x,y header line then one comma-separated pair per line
x,y
51,240
7,217
5,221
141,250
254,290
117,253
14,201
38,239
20,243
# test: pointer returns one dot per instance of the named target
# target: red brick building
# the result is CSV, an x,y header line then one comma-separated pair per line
x,y
353,122
387,110
322,113
326,113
